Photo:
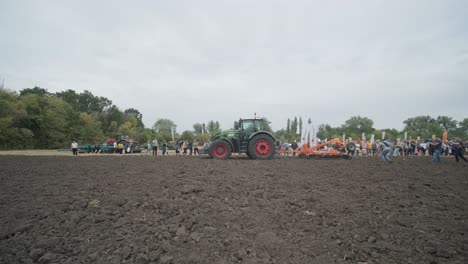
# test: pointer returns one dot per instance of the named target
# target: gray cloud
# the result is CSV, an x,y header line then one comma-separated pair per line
x,y
193,61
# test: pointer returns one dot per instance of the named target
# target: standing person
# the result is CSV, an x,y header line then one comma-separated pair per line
x,y
423,148
74,147
115,147
286,148
148,148
190,147
195,147
185,146
458,150
396,150
374,148
386,147
294,146
412,147
177,149
164,148
364,147
155,147
120,146
436,149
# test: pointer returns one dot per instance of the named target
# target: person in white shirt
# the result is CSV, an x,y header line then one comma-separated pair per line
x,y
74,147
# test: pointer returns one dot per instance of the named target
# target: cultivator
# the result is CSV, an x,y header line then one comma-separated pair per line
x,y
334,148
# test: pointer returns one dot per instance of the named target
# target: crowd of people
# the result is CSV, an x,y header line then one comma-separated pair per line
x,y
181,147
386,148
383,148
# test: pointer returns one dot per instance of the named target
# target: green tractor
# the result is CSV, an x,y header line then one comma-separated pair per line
x,y
246,137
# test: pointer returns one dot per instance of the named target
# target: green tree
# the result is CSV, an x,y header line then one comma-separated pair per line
x,y
51,120
85,102
8,114
293,129
89,103
89,131
187,135
198,128
447,123
357,125
71,97
137,114
213,127
265,125
147,135
164,127
422,126
462,130
288,127
129,127
281,135
110,120
34,91
328,132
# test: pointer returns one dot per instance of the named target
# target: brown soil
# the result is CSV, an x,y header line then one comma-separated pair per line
x,y
143,209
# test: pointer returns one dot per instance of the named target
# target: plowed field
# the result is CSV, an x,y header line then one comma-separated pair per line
x,y
144,209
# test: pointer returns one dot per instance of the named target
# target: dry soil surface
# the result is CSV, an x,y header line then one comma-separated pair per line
x,y
144,209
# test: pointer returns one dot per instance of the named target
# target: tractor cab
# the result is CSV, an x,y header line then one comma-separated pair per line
x,y
247,127
248,124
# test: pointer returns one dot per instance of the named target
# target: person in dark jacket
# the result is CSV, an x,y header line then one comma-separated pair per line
x,y
458,149
294,147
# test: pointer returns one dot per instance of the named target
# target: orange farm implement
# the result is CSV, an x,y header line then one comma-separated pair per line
x,y
334,148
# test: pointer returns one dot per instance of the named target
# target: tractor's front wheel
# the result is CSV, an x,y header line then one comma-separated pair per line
x,y
261,147
220,149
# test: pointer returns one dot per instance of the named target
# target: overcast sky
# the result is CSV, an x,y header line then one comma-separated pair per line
x,y
194,61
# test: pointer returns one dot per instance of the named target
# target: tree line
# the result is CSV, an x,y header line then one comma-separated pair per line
x,y
34,118
423,127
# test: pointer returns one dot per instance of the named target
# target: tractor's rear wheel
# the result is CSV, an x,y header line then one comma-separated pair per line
x,y
261,147
220,149
351,147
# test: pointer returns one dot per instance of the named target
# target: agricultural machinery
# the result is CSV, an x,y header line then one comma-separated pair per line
x,y
129,146
334,148
247,137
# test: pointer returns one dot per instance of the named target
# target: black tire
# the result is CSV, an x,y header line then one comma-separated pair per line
x,y
220,149
351,147
261,147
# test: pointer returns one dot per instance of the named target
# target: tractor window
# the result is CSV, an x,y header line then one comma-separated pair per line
x,y
248,126
258,126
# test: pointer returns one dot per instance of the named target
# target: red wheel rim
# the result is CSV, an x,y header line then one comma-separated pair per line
x,y
262,147
220,151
